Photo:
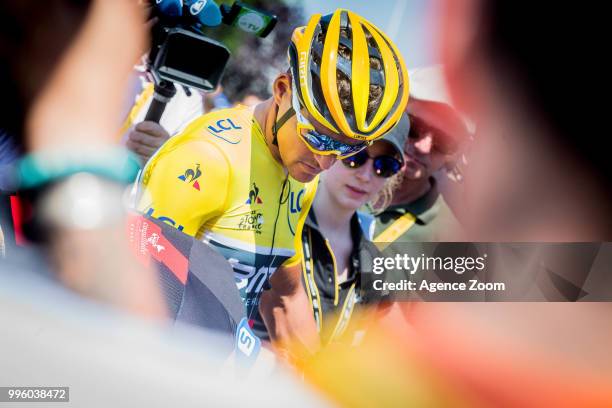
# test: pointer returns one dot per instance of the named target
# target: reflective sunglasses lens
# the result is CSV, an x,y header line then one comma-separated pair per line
x,y
324,143
314,141
386,166
350,150
356,160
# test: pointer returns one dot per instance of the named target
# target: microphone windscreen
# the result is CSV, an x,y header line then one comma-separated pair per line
x,y
170,8
206,12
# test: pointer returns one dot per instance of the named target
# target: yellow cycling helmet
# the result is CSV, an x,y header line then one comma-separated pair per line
x,y
318,58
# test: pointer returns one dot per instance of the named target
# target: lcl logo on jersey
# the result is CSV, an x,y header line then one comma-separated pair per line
x,y
294,209
295,201
222,126
191,176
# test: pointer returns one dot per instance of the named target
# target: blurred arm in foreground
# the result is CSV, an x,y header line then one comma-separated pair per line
x,y
288,316
69,92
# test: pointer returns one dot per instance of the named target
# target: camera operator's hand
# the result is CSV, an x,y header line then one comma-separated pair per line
x,y
145,138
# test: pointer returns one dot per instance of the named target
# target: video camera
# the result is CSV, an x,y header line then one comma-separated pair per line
x,y
181,53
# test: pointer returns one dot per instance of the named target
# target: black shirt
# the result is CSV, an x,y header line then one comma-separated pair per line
x,y
333,301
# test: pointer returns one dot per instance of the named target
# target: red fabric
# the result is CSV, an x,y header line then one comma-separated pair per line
x,y
146,239
17,212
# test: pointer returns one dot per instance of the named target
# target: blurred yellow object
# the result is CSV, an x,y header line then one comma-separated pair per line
x,y
383,371
479,354
141,101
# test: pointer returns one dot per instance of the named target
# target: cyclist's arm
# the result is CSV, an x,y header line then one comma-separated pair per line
x,y
288,316
186,186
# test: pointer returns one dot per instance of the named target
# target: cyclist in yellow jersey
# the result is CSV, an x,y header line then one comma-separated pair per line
x,y
243,179
219,182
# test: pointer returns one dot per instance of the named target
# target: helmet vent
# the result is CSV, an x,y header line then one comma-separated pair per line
x,y
343,70
376,91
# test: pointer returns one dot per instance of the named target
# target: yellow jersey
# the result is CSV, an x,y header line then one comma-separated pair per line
x,y
218,181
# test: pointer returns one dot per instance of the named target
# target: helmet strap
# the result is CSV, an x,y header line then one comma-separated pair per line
x,y
280,122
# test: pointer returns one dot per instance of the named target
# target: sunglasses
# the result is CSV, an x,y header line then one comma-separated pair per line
x,y
384,166
442,142
318,143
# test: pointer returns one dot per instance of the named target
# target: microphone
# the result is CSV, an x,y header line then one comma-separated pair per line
x,y
205,12
170,8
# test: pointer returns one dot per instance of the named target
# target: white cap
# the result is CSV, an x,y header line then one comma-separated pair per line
x,y
427,83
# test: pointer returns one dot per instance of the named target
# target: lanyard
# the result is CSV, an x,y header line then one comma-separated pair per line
x,y
395,230
313,291
311,286
345,315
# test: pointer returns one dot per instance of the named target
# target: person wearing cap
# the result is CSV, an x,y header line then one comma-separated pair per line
x,y
418,210
336,236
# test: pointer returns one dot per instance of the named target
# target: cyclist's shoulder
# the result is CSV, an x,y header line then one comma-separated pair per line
x,y
225,127
218,132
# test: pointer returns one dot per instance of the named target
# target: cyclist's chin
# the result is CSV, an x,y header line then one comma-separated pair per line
x,y
302,173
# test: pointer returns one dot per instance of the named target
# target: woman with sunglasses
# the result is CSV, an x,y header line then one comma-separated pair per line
x,y
335,235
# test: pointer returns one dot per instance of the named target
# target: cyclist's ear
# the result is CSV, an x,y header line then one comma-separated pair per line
x,y
281,87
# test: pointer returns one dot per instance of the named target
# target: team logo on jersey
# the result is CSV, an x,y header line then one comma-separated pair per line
x,y
254,196
191,176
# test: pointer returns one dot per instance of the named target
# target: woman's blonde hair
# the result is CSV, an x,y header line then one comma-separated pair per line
x,y
382,200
